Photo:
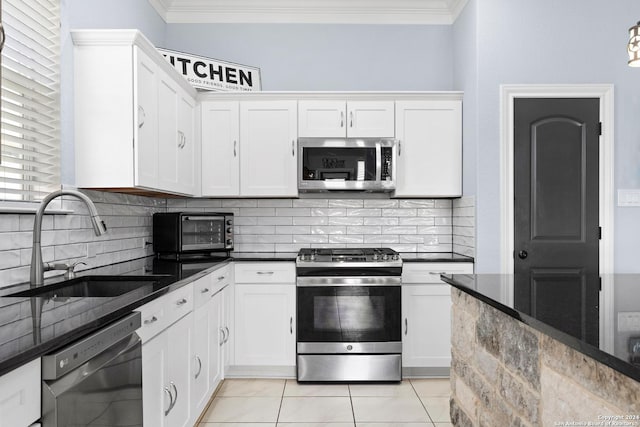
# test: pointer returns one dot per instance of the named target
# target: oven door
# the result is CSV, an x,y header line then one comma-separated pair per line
x,y
365,317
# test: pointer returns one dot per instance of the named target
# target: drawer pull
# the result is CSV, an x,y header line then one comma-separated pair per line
x,y
221,278
437,273
183,301
204,291
166,390
149,321
268,273
406,326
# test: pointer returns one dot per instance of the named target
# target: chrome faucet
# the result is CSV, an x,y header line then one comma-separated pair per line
x,y
38,267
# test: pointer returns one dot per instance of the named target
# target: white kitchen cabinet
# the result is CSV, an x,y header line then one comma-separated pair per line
x,y
429,135
166,333
20,395
265,314
220,122
249,148
339,118
177,145
268,149
126,123
426,316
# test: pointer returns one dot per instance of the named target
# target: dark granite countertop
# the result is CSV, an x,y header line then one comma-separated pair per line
x,y
603,324
434,257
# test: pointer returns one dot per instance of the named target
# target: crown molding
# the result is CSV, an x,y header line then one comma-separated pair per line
x,y
434,12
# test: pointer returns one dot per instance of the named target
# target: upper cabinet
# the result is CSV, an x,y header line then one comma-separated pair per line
x,y
328,118
429,134
249,148
134,116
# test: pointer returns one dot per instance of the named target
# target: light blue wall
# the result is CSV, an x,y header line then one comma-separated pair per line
x,y
78,14
328,57
547,41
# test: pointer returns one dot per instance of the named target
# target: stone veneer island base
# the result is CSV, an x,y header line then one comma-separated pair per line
x,y
505,373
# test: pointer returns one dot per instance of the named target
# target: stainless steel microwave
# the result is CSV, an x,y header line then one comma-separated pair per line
x,y
192,232
346,164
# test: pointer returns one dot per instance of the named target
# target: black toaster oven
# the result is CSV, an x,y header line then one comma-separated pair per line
x,y
192,232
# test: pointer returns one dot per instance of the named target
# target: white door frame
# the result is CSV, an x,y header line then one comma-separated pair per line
x,y
606,164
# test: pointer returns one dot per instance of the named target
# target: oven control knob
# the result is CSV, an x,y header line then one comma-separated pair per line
x,y
385,257
229,242
395,257
312,257
375,257
349,347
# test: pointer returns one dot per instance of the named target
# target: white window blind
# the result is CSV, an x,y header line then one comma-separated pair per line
x,y
30,162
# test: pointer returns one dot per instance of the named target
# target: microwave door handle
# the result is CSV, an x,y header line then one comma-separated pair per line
x,y
378,162
203,218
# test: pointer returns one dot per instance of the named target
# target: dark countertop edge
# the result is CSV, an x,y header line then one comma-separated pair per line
x,y
569,340
435,257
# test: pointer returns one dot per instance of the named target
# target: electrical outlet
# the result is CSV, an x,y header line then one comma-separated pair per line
x,y
629,321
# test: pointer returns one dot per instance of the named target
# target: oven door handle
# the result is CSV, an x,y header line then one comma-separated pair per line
x,y
325,281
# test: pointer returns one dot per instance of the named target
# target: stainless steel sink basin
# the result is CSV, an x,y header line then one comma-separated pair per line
x,y
92,286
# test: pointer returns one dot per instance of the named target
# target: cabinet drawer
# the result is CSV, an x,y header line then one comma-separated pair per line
x,y
162,312
209,285
429,272
265,272
20,395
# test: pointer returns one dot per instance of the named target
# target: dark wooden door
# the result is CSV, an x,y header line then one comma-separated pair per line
x,y
556,225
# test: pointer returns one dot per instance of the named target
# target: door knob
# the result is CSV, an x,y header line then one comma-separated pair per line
x,y
523,254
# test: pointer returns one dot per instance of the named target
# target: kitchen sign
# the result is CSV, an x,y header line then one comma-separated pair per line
x,y
213,74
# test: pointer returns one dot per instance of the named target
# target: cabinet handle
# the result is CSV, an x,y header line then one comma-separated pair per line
x,y
2,37
199,366
341,119
235,144
183,301
268,273
175,399
406,326
204,291
399,148
351,119
150,321
166,390
293,146
221,278
141,115
226,337
291,325
182,140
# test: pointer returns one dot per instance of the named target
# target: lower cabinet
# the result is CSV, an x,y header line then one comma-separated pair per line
x,y
166,372
265,325
20,395
426,317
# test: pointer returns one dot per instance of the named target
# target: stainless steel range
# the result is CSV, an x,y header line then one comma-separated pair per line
x,y
349,315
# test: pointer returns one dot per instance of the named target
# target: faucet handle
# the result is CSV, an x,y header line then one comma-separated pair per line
x,y
71,273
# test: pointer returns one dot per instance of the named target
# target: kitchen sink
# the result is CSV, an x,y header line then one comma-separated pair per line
x,y
92,286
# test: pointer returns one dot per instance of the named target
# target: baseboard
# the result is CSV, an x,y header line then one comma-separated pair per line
x,y
426,372
288,372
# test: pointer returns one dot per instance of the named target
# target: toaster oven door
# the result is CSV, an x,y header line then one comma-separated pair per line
x,y
202,233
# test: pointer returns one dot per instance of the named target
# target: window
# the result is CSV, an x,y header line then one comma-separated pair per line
x,y
30,162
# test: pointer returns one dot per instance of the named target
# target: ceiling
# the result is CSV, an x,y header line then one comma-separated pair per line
x,y
441,12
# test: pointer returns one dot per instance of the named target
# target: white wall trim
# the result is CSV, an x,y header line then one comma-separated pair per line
x,y
430,12
507,95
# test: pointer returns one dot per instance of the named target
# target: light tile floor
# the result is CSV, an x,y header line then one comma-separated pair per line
x,y
285,403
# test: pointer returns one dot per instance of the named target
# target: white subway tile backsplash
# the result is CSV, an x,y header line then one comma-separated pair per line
x,y
256,229
336,238
275,203
364,229
310,238
400,229
328,229
364,212
416,203
347,203
274,220
381,203
345,220
410,238
399,212
387,220
416,220
246,220
293,211
311,220
239,203
310,203
257,212
328,212
293,229
381,238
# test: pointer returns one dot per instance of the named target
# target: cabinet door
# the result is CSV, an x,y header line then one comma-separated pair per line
x,y
156,398
322,118
370,119
216,341
268,152
429,137
145,120
201,358
179,370
426,340
227,306
168,139
220,149
265,324
20,396
186,153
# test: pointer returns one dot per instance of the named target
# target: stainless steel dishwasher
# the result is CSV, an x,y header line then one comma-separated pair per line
x,y
96,381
